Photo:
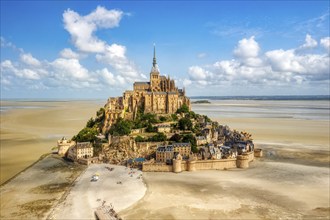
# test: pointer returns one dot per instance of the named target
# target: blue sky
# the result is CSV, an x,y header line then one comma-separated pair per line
x,y
97,49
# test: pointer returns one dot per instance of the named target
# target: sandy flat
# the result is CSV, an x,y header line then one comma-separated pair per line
x,y
30,129
283,131
87,195
32,193
268,190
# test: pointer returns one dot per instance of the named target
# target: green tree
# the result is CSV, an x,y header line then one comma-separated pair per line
x,y
174,117
184,109
176,138
158,137
86,134
90,123
192,115
121,127
194,149
139,139
162,118
150,128
189,138
185,124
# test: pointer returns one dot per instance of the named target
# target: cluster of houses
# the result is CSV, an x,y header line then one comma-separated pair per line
x,y
212,144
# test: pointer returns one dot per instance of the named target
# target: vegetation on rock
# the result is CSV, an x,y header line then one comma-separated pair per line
x,y
121,127
86,134
184,109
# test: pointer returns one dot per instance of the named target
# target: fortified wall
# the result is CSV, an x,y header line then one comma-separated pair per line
x,y
179,165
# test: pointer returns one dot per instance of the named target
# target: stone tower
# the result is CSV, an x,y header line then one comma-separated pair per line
x,y
154,74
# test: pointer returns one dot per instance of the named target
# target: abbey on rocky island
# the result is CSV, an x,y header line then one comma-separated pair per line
x,y
159,95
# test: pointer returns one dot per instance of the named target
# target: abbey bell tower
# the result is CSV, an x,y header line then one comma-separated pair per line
x,y
154,74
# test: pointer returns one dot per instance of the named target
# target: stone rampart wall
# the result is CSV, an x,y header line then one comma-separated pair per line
x,y
250,156
146,167
215,164
199,165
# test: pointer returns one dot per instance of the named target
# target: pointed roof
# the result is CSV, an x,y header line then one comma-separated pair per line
x,y
154,68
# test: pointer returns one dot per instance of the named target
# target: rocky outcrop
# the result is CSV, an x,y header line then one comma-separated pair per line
x,y
123,148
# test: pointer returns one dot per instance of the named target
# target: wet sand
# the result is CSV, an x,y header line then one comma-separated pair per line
x,y
32,193
267,190
31,129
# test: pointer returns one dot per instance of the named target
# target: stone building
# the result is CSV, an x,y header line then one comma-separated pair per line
x,y
81,150
165,154
159,95
63,146
164,128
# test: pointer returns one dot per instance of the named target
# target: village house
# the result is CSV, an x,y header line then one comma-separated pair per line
x,y
200,140
81,150
215,152
164,128
165,154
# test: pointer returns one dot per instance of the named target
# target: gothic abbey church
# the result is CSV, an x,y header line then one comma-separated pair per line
x,y
159,96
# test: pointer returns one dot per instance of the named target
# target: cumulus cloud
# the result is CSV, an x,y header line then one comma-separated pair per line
x,y
28,59
82,28
70,67
114,55
272,68
69,54
7,67
108,77
309,42
247,48
247,52
325,42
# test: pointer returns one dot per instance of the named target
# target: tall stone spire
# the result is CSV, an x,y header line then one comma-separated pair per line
x,y
154,68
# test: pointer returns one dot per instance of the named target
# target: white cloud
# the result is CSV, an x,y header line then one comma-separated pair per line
x,y
25,73
7,64
309,42
82,28
115,57
186,82
108,77
198,73
247,48
28,59
273,68
284,61
70,68
325,42
69,54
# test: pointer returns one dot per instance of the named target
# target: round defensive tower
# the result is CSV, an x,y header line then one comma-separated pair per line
x,y
258,152
177,164
242,161
192,165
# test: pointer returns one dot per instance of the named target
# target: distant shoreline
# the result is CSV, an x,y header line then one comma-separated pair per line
x,y
265,98
270,97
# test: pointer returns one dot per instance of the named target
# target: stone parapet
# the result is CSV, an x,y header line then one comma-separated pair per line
x,y
242,161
